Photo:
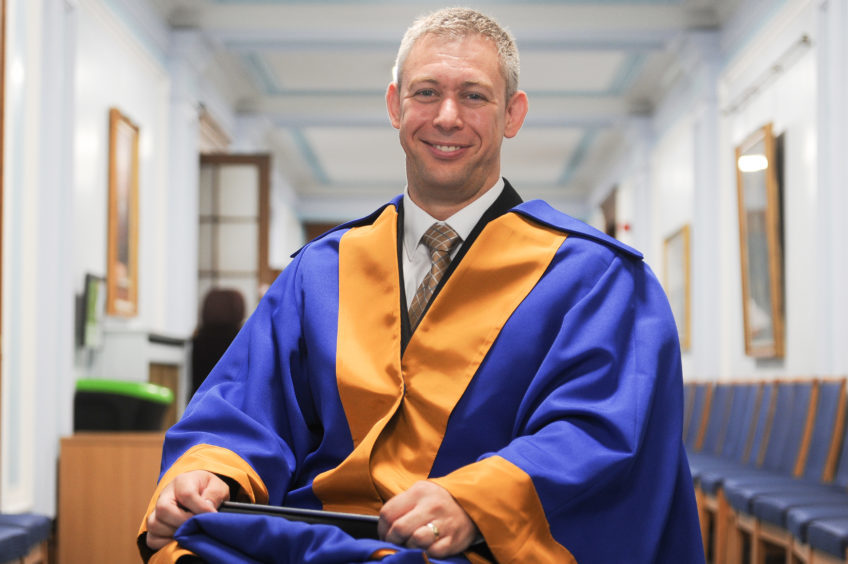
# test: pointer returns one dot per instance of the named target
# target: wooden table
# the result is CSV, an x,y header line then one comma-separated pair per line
x,y
105,484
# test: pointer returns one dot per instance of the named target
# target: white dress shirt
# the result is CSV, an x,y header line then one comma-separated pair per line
x,y
416,256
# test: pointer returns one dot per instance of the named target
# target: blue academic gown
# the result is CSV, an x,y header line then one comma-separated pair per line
x,y
542,389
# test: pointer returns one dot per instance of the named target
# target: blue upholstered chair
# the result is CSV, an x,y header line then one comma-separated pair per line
x,y
819,481
695,424
754,410
24,536
785,516
816,438
711,479
785,448
734,429
716,424
829,535
13,544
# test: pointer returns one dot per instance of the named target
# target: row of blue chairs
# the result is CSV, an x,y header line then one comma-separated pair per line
x,y
24,538
770,465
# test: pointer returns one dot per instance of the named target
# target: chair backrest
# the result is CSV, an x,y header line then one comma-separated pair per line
x,y
841,476
742,421
822,448
718,418
688,400
700,409
789,426
765,413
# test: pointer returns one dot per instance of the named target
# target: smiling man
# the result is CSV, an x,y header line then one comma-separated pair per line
x,y
453,107
494,379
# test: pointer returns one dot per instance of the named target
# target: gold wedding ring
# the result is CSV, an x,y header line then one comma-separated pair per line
x,y
434,529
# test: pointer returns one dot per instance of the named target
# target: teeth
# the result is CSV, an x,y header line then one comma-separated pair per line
x,y
447,148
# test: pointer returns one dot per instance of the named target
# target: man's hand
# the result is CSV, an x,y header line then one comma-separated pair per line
x,y
427,516
188,494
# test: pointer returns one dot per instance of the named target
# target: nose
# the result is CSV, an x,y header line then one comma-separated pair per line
x,y
448,114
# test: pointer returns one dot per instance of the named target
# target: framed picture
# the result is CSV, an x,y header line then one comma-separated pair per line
x,y
677,282
761,245
122,262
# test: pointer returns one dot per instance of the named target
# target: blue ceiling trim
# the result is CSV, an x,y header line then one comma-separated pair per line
x,y
578,156
249,42
310,157
256,64
627,73
137,32
646,42
753,24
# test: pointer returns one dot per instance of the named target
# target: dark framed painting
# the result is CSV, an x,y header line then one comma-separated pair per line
x,y
761,244
676,277
122,262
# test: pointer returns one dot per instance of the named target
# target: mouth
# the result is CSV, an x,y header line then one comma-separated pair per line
x,y
445,149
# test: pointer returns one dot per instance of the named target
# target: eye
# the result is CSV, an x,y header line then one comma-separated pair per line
x,y
425,93
476,97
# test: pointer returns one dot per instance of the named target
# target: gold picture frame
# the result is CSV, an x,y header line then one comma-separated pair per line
x,y
122,261
677,281
760,244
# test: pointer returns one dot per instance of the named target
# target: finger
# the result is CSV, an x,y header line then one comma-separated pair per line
x,y
159,526
398,506
450,542
192,491
155,542
422,537
167,512
406,526
159,532
216,491
382,527
443,548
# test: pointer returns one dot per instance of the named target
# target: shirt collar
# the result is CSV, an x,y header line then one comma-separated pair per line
x,y
416,221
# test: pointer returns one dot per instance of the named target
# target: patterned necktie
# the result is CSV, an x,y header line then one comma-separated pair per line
x,y
440,239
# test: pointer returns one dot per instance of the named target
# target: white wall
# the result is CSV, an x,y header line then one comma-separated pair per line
x,y
730,89
68,63
114,70
753,95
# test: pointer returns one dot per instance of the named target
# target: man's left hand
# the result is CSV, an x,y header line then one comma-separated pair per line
x,y
427,516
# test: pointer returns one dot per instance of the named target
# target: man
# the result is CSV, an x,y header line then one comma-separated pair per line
x,y
521,386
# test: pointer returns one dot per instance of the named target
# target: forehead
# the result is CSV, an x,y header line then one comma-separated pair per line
x,y
470,55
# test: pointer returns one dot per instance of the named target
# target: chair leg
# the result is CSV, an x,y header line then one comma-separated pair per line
x,y
703,519
800,553
775,540
720,551
38,555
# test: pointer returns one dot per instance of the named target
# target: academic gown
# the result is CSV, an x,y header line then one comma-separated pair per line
x,y
542,388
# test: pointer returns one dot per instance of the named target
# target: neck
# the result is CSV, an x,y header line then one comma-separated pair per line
x,y
442,208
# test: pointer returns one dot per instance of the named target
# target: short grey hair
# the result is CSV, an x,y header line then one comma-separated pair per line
x,y
458,23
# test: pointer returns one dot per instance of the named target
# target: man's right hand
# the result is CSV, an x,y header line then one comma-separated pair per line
x,y
188,494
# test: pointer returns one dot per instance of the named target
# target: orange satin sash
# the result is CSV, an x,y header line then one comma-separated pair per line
x,y
398,409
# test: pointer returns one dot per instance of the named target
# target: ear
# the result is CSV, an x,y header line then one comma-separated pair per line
x,y
516,111
393,104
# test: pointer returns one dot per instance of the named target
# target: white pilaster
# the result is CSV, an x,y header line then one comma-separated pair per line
x,y
829,281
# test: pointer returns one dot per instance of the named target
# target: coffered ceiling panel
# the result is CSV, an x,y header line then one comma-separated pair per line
x,y
317,71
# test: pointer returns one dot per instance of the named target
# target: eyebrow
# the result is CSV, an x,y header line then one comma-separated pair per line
x,y
466,84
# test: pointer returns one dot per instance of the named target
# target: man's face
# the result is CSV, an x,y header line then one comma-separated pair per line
x,y
452,116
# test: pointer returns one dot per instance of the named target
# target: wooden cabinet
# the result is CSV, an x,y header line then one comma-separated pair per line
x,y
105,484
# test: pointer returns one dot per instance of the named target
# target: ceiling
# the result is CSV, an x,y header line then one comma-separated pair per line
x,y
318,71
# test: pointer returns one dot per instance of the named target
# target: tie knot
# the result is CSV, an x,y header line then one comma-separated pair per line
x,y
440,238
